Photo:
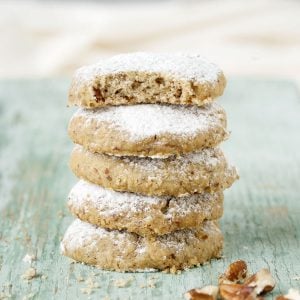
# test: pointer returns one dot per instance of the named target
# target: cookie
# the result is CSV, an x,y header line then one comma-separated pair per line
x,y
147,78
149,129
206,171
124,251
141,214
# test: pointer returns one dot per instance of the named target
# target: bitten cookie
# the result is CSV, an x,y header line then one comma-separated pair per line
x,y
147,78
206,171
141,214
124,251
149,129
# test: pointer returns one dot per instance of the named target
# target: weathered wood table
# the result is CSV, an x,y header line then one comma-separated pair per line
x,y
262,210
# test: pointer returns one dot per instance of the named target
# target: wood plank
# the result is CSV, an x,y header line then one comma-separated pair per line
x,y
262,211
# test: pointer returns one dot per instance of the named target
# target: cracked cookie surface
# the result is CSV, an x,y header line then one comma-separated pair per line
x,y
143,215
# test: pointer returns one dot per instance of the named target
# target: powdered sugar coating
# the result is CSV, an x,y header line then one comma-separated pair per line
x,y
179,65
81,234
142,121
111,203
177,176
114,202
208,157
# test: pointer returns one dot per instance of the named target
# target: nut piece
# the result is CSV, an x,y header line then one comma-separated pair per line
x,y
209,292
236,291
236,272
262,281
291,295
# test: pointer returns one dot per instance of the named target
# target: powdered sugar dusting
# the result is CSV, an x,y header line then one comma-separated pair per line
x,y
81,234
110,203
208,158
178,65
147,120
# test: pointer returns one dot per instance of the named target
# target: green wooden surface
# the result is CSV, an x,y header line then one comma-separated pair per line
x,y
262,210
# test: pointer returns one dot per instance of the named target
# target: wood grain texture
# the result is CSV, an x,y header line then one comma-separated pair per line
x,y
262,210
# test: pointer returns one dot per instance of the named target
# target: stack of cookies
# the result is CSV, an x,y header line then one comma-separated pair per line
x,y
151,173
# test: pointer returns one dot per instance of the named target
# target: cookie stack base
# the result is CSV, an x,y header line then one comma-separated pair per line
x,y
124,251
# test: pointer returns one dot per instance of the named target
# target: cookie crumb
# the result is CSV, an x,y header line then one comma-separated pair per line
x,y
122,282
29,296
90,282
91,285
80,279
29,274
5,296
151,283
296,278
173,270
86,291
60,214
29,258
6,291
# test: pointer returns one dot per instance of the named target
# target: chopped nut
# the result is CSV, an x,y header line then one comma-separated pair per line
x,y
291,295
235,285
196,294
235,291
262,281
236,272
209,292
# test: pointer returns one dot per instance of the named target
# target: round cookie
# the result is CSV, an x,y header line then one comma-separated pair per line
x,y
206,171
124,251
149,129
141,214
147,78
